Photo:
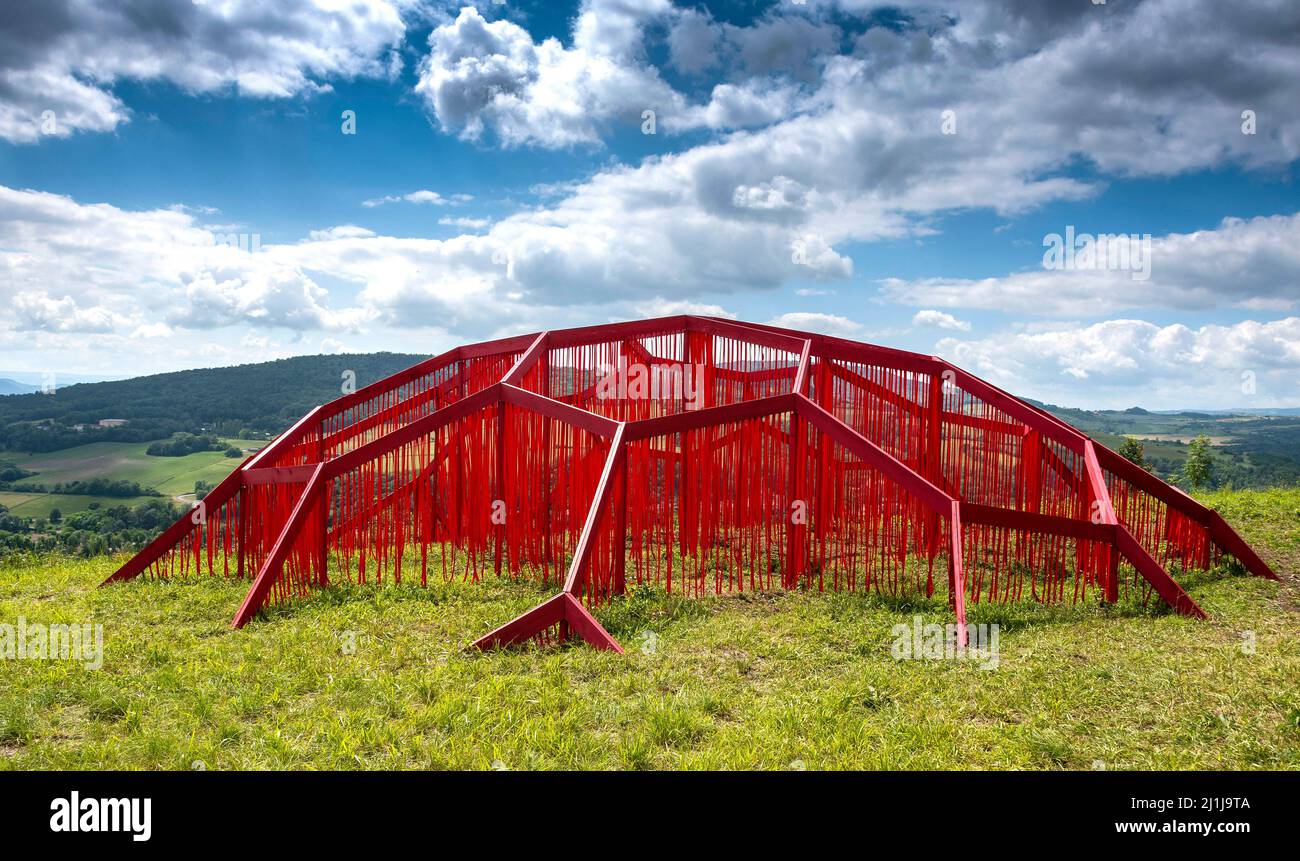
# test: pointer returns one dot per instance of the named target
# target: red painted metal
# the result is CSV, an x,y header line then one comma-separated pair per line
x,y
701,455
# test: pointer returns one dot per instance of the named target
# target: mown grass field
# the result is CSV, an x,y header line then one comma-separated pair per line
x,y
39,505
769,681
125,461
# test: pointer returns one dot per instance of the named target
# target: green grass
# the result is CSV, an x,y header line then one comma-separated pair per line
x,y
170,476
767,681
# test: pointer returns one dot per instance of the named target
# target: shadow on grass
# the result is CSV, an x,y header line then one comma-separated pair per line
x,y
503,590
650,607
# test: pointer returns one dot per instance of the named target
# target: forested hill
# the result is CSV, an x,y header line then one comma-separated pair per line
x,y
247,401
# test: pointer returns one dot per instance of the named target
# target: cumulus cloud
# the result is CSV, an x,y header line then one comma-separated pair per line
x,y
40,311
789,44
661,307
846,143
757,102
1118,363
63,56
72,267
1249,263
826,324
260,295
860,157
484,75
939,320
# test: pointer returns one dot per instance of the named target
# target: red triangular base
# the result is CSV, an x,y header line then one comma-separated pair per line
x,y
563,610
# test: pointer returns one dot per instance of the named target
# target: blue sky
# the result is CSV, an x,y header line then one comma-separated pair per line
x,y
887,174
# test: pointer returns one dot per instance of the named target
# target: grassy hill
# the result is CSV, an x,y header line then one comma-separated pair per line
x,y
246,401
57,437
1250,450
770,681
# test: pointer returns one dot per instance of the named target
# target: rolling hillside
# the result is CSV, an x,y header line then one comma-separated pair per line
x,y
246,401
1251,449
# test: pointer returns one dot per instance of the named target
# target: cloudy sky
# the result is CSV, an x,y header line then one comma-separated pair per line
x,y
188,184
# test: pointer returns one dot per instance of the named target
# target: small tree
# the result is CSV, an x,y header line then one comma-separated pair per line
x,y
1199,469
55,515
1133,450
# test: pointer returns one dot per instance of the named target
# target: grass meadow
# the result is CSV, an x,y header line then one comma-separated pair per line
x,y
125,461
378,678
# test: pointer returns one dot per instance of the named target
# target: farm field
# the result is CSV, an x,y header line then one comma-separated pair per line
x,y
39,505
377,677
170,476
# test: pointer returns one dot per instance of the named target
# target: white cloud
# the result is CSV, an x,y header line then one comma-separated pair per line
x,y
65,58
152,330
260,295
423,196
757,102
861,158
660,307
482,75
826,324
40,311
1119,363
464,222
839,148
940,320
72,267
341,231
1249,263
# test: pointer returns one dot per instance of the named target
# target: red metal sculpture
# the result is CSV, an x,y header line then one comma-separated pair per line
x,y
702,454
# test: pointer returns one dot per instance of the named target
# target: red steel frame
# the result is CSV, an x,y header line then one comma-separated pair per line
x,y
838,464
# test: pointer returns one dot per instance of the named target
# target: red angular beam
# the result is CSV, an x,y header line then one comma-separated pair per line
x,y
956,566
1050,524
525,362
564,610
925,491
1220,532
599,506
1166,587
154,550
274,564
591,422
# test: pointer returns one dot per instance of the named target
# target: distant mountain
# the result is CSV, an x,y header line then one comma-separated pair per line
x,y
38,379
13,387
1243,411
1183,413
